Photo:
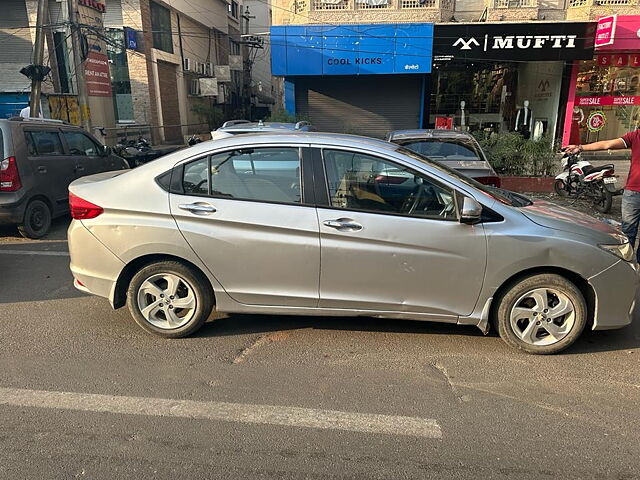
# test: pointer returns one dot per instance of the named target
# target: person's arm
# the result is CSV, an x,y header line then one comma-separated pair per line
x,y
615,144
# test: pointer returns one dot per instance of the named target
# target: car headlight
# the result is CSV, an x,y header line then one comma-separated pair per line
x,y
622,250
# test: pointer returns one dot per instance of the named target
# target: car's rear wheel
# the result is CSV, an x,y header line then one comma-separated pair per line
x,y
170,299
37,220
541,314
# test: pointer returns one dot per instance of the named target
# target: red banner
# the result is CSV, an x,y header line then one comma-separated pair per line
x,y
96,73
606,101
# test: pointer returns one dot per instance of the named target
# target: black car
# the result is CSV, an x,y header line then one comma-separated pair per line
x,y
38,160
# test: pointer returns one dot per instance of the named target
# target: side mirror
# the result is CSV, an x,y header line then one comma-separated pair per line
x,y
471,211
106,150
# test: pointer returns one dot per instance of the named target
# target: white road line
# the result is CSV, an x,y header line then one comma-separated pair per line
x,y
34,252
223,411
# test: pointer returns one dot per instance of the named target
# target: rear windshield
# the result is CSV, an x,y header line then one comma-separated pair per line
x,y
444,149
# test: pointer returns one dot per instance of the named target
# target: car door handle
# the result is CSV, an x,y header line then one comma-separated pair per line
x,y
79,168
42,169
343,224
197,207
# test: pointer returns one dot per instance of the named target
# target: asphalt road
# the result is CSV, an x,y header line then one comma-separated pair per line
x,y
85,393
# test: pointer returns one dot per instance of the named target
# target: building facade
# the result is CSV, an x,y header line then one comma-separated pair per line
x,y
492,61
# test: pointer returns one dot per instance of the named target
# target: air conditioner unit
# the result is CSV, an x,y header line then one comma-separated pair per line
x,y
194,87
187,64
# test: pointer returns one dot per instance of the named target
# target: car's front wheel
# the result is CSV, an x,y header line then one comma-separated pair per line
x,y
170,299
541,314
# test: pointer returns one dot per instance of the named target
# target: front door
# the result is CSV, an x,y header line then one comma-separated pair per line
x,y
391,240
243,213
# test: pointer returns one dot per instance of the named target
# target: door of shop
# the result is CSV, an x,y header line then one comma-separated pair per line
x,y
169,102
363,105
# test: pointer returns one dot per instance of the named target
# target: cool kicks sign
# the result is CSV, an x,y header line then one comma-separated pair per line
x,y
354,49
513,41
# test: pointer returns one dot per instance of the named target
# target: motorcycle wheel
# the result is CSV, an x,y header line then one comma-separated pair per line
x,y
602,202
561,188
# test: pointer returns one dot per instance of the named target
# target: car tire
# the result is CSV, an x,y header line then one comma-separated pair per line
x,y
37,220
541,314
170,299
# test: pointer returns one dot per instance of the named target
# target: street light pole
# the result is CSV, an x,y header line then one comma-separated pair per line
x,y
38,57
78,61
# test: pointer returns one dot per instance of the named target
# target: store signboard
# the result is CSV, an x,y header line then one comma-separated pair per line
x,y
625,35
354,49
515,41
96,72
605,31
606,101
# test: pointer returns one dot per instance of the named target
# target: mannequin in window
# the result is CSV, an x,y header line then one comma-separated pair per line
x,y
462,117
577,120
523,120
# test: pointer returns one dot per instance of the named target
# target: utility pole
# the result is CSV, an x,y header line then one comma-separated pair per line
x,y
78,61
38,57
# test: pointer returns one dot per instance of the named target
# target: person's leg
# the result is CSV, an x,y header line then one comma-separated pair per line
x,y
631,217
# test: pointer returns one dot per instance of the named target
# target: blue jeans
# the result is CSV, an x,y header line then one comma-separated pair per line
x,y
631,217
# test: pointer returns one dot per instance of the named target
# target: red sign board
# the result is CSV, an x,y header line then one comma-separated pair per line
x,y
604,60
605,31
444,123
96,72
634,60
99,6
606,101
624,34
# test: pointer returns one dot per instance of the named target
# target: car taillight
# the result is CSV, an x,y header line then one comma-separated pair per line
x,y
491,181
81,209
9,176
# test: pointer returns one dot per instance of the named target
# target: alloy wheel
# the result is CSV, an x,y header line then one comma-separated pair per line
x,y
543,316
166,301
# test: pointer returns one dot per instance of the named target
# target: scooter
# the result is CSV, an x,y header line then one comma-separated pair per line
x,y
581,179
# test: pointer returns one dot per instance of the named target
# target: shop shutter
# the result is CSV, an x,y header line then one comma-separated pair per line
x,y
15,38
365,105
113,15
57,15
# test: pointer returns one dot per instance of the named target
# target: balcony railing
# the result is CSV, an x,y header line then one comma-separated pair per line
x,y
601,3
515,3
333,5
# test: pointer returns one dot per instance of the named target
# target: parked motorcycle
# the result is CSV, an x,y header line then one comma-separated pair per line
x,y
581,179
194,140
135,152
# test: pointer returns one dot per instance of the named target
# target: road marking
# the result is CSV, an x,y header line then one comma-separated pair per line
x,y
34,252
223,411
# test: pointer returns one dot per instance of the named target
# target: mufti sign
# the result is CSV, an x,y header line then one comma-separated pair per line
x,y
544,42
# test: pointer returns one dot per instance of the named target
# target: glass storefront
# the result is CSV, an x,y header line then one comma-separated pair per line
x,y
494,93
608,93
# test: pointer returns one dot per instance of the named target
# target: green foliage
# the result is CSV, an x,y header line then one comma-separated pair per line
x,y
213,116
510,154
280,115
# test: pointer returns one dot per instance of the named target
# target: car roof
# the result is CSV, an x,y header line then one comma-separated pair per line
x,y
429,133
249,139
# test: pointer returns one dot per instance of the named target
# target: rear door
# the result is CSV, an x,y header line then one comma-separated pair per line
x,y
53,171
245,214
86,153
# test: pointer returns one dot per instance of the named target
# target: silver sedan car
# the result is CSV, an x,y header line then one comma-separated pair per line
x,y
324,224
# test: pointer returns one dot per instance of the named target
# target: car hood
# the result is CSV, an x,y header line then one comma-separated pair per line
x,y
554,216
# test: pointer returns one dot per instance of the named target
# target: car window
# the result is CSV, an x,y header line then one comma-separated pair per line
x,y
80,144
443,149
195,180
42,142
262,174
362,182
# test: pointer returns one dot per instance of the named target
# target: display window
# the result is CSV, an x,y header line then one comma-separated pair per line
x,y
607,103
